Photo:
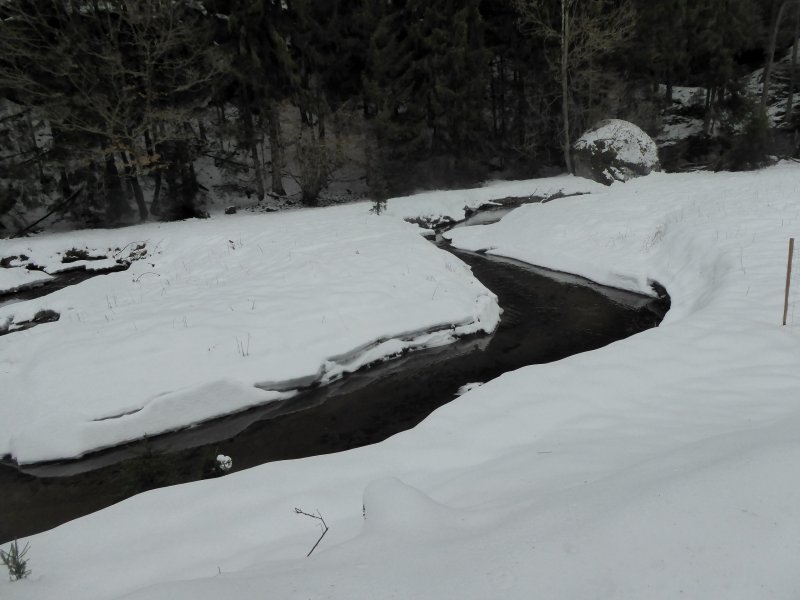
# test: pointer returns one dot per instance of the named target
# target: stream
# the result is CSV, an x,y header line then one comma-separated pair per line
x,y
546,316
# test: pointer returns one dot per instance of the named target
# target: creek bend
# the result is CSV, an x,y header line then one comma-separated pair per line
x,y
546,316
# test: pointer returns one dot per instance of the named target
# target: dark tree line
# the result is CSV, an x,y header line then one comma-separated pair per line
x,y
119,99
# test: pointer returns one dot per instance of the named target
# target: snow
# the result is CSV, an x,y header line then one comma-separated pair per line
x,y
778,92
631,144
224,463
220,315
660,466
224,315
468,387
15,278
634,152
677,128
36,262
452,203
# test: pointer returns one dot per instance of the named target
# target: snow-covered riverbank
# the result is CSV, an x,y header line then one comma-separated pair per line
x,y
223,314
661,466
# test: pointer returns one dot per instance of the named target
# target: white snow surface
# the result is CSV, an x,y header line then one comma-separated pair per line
x,y
227,313
660,466
629,142
15,278
677,128
225,305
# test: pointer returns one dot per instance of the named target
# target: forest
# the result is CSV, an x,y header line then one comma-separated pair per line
x,y
379,299
110,109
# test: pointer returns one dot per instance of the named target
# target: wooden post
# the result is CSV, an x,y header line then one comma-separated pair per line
x,y
788,279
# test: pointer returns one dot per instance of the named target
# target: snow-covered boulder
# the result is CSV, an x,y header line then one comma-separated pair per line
x,y
615,150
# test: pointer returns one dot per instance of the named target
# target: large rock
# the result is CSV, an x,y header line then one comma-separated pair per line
x,y
614,150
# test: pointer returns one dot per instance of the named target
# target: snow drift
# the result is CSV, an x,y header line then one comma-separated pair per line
x,y
661,466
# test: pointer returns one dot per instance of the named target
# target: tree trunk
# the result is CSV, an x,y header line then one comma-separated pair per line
x,y
115,201
66,189
35,148
519,87
502,100
276,150
249,131
493,96
710,114
793,73
155,203
565,33
321,126
201,131
155,207
133,181
221,124
773,39
167,152
182,184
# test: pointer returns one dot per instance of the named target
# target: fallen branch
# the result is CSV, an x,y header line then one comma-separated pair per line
x,y
317,516
62,206
136,279
141,243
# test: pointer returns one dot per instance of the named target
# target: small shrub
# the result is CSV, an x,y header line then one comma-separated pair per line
x,y
46,315
75,254
752,146
7,262
15,561
378,207
316,162
756,145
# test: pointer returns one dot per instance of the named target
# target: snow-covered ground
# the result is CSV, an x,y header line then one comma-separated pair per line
x,y
226,313
677,126
662,466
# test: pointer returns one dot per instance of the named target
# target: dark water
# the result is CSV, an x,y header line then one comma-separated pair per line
x,y
547,316
59,281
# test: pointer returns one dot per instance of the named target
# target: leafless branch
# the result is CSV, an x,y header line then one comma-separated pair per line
x,y
323,524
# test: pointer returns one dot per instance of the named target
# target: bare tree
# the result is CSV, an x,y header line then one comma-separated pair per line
x,y
773,37
276,148
117,77
580,34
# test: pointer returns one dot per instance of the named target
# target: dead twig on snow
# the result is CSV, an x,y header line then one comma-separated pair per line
x,y
324,526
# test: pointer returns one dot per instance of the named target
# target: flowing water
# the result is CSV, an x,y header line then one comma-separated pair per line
x,y
546,316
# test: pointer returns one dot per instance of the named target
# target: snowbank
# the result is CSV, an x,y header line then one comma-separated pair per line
x,y
215,309
216,316
661,466
13,279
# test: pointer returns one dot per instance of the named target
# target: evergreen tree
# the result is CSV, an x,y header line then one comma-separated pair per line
x,y
330,40
718,31
265,73
427,75
513,61
662,41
